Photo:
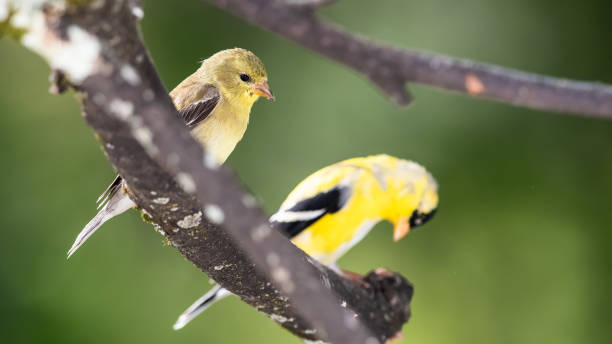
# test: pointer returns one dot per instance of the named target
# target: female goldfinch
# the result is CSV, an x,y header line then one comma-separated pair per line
x,y
334,208
215,103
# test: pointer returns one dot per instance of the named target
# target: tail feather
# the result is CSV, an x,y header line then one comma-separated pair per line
x,y
215,294
111,190
118,203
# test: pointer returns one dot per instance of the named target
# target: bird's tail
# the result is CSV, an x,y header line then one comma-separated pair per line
x,y
215,294
115,203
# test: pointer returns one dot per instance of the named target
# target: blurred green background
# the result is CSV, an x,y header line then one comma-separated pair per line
x,y
521,248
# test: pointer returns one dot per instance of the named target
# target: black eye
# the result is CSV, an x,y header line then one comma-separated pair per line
x,y
418,218
245,77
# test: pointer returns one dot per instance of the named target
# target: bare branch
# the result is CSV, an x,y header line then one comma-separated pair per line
x,y
391,69
209,218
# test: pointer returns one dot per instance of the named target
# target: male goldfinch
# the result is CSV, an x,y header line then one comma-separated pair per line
x,y
215,103
334,208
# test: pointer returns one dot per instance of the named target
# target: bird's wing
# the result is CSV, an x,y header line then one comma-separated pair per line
x,y
294,220
199,110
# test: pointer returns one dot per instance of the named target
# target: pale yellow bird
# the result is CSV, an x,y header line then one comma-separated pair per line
x,y
215,103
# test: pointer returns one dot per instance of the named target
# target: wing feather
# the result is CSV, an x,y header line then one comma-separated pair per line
x,y
304,213
196,112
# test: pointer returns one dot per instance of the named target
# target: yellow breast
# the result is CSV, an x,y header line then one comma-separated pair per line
x,y
222,130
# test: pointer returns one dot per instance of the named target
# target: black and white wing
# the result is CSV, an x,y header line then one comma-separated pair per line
x,y
294,220
199,110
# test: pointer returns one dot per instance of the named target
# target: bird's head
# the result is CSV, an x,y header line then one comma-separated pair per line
x,y
413,194
240,76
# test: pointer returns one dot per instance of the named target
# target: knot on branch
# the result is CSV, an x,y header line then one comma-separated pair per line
x,y
393,86
385,72
396,291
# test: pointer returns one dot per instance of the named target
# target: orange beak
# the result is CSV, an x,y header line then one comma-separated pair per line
x,y
402,227
262,89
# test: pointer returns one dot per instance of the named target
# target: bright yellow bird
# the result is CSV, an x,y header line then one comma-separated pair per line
x,y
334,208
215,103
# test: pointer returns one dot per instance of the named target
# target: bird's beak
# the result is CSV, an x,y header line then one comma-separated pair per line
x,y
262,89
402,227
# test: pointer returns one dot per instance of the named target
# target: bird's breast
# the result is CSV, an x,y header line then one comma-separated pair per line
x,y
327,244
221,131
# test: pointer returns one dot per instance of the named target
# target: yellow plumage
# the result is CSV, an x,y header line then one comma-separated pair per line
x,y
379,187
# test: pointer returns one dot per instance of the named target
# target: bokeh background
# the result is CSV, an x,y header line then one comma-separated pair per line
x,y
521,248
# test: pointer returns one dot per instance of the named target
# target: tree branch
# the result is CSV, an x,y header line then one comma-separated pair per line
x,y
97,48
390,69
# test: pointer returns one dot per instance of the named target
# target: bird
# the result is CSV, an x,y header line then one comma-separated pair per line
x,y
215,103
334,208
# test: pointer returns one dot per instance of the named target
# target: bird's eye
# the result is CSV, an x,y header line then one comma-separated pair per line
x,y
245,77
418,218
